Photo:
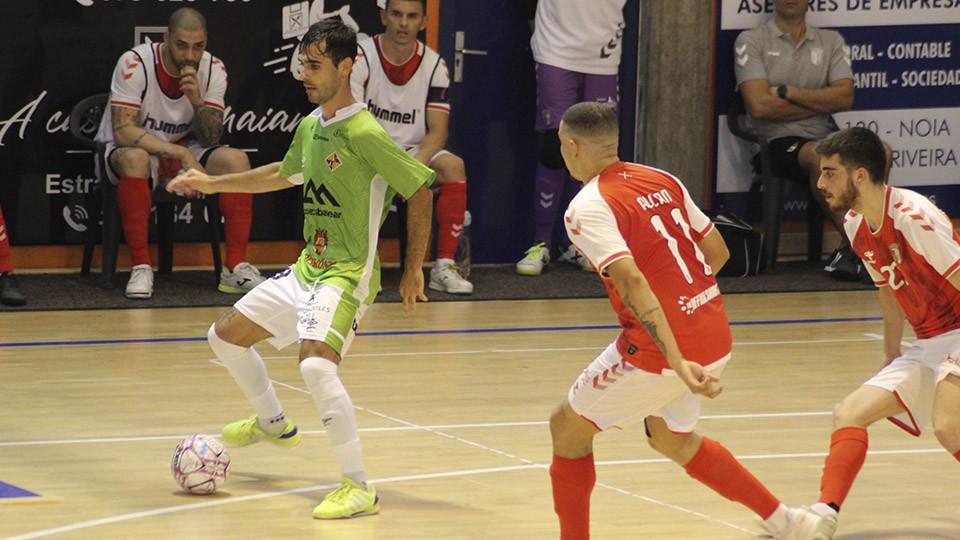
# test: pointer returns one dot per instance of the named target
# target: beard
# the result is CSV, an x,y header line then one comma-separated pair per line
x,y
846,199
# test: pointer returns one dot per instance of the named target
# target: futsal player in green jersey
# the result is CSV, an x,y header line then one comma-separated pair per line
x,y
349,170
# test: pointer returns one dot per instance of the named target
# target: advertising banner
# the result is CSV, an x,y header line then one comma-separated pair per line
x,y
906,64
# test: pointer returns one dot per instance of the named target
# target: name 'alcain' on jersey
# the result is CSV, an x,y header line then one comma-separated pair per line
x,y
141,82
399,96
646,214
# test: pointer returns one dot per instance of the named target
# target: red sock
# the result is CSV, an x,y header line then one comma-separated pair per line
x,y
451,205
715,467
133,197
957,455
237,209
573,480
848,450
5,264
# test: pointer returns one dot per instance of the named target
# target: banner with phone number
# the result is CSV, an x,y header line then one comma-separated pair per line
x,y
905,56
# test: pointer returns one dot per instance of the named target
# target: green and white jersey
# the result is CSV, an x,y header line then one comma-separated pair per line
x,y
350,170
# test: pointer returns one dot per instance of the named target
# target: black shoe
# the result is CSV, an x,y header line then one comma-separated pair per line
x,y
844,265
10,293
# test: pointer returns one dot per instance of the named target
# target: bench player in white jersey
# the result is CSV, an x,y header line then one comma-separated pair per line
x,y
404,84
349,170
649,242
166,114
912,253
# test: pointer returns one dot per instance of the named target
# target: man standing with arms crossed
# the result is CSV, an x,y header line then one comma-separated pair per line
x,y
649,242
166,114
912,253
350,171
404,83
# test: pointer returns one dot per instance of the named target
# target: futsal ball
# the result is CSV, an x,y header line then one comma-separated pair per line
x,y
200,464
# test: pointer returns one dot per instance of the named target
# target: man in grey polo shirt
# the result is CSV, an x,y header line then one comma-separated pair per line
x,y
792,77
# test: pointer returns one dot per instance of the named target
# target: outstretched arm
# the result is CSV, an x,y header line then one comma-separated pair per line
x,y
260,180
419,218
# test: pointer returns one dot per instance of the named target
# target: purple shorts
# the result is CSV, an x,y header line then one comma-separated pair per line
x,y
558,89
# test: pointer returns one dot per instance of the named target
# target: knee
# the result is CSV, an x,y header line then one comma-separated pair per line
x,y
550,156
229,160
843,416
452,170
132,162
948,434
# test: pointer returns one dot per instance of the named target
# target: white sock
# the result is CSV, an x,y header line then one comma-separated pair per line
x,y
443,263
777,521
336,411
247,368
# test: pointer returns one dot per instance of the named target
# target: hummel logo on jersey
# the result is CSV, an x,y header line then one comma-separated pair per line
x,y
318,194
152,124
333,161
611,45
396,117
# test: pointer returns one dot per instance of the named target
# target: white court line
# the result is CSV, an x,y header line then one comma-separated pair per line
x,y
410,427
870,338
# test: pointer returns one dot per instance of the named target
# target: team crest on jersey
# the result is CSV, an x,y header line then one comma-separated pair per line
x,y
320,241
333,161
895,251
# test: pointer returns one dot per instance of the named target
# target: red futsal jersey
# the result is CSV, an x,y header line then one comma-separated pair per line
x,y
914,252
634,211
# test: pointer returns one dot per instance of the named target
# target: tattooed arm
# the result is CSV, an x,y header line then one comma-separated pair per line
x,y
207,125
128,133
639,298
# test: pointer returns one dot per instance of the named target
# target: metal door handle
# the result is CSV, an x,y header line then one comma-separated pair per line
x,y
459,52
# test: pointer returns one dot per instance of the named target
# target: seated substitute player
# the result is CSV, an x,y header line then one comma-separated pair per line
x,y
404,84
338,149
648,241
166,114
912,253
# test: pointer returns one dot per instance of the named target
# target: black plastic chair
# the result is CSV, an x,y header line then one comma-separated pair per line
x,y
84,122
774,191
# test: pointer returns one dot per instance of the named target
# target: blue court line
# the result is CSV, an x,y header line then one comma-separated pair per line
x,y
427,332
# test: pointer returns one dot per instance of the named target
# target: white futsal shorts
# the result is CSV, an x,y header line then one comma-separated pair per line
x,y
292,311
913,378
612,393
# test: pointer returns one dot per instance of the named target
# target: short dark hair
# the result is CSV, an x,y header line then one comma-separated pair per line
x,y
857,147
422,3
591,120
187,19
340,39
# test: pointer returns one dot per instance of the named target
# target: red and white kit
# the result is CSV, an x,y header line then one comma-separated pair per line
x,y
395,93
914,252
141,82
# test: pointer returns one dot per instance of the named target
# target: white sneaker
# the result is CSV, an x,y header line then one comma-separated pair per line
x,y
805,524
447,278
140,285
243,279
573,256
534,262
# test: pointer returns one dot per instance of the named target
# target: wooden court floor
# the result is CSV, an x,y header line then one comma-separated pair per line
x,y
452,405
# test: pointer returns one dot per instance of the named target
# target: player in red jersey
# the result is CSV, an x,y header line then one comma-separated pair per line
x,y
912,253
657,254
